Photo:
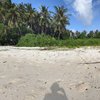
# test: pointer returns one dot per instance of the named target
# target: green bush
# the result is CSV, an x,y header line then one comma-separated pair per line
x,y
30,40
9,38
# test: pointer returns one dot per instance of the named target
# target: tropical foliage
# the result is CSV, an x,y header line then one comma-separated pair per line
x,y
41,22
18,20
41,40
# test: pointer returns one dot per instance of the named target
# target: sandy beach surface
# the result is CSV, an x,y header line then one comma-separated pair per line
x,y
38,74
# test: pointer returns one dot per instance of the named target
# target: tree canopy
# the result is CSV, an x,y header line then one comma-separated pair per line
x,y
17,20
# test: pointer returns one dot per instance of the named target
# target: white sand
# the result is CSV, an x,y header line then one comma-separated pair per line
x,y
29,73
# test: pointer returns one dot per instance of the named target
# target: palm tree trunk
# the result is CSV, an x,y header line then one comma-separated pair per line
x,y
59,33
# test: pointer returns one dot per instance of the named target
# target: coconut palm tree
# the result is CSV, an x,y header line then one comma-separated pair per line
x,y
31,16
61,19
13,16
2,13
44,19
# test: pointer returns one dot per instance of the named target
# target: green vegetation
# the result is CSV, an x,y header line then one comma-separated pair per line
x,y
47,28
22,19
32,40
37,40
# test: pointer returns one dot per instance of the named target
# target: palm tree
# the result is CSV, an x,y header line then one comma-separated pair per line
x,y
61,19
22,11
13,16
31,16
2,13
44,19
3,1
9,1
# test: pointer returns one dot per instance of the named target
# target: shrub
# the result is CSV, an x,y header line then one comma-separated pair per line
x,y
9,38
30,40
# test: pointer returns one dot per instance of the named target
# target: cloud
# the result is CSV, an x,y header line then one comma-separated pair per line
x,y
84,10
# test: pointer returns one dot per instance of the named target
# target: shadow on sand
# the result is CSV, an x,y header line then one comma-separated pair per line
x,y
57,93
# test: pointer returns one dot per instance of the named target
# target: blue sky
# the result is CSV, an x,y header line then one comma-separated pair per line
x,y
85,13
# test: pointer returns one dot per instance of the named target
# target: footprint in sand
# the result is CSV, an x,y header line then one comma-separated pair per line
x,y
41,84
82,87
15,81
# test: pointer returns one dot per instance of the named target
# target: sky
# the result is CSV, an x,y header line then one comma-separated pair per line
x,y
85,14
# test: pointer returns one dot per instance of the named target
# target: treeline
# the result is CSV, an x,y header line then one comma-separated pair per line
x,y
19,20
84,34
22,19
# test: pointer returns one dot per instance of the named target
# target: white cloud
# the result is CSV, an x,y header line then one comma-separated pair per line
x,y
84,10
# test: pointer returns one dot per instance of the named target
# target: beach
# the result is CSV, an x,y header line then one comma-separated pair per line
x,y
29,73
